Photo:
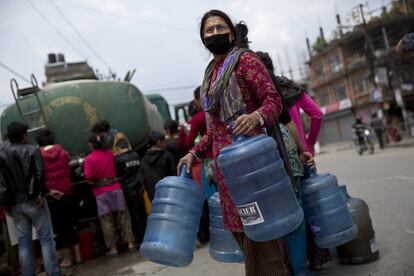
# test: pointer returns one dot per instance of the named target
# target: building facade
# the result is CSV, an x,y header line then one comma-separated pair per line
x,y
357,74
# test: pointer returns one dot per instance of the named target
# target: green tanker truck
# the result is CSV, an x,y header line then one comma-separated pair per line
x,y
70,103
70,109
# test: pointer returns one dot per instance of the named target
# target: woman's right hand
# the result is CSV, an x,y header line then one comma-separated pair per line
x,y
306,158
188,159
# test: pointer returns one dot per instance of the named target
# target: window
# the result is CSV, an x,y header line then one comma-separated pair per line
x,y
335,64
324,98
361,84
340,92
318,71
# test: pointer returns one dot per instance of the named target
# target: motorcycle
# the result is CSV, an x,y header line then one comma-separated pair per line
x,y
363,139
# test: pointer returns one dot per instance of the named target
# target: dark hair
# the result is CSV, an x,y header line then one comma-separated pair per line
x,y
221,14
197,93
192,108
242,41
171,125
101,126
16,132
266,59
122,143
99,141
154,137
45,137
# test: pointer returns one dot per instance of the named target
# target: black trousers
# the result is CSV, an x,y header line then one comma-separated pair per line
x,y
135,202
378,133
203,234
63,213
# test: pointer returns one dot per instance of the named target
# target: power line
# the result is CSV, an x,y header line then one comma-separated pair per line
x,y
13,72
79,35
129,17
55,29
171,88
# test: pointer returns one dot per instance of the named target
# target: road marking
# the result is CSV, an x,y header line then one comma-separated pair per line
x,y
409,231
409,178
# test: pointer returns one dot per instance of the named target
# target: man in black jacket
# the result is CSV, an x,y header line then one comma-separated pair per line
x,y
127,169
157,163
22,195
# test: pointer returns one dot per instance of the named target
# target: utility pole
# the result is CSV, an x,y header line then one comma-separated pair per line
x,y
338,20
309,48
299,64
369,47
279,61
288,61
397,80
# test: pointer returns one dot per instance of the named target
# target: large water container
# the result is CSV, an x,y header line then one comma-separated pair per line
x,y
172,226
260,187
223,246
363,248
78,105
326,211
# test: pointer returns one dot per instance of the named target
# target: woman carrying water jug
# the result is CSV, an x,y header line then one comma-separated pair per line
x,y
241,99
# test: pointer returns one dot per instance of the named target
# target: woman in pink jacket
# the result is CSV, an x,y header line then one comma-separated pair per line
x,y
112,210
296,98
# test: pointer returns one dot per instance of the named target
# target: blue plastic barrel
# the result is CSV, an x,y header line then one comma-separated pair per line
x,y
223,246
260,187
326,211
172,226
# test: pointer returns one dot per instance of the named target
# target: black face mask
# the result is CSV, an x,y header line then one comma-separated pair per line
x,y
218,44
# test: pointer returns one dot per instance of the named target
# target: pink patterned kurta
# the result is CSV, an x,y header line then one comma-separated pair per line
x,y
259,94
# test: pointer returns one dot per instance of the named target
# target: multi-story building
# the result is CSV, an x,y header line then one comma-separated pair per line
x,y
342,76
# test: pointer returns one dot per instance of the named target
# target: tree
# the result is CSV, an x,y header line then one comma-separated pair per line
x,y
319,44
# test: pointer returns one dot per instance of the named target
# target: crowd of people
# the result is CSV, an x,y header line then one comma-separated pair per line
x,y
37,196
239,95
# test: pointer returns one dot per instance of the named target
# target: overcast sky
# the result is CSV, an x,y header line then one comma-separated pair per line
x,y
158,38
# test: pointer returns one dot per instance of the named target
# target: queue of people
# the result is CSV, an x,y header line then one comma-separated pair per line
x,y
36,192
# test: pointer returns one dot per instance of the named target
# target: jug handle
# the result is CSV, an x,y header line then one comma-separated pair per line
x,y
309,172
184,173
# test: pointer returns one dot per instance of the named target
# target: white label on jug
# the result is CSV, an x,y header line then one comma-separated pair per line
x,y
373,244
250,214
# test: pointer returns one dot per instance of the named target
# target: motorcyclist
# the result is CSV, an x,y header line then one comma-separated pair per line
x,y
358,128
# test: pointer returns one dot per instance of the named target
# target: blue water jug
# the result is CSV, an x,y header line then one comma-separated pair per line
x,y
172,226
223,245
326,211
260,187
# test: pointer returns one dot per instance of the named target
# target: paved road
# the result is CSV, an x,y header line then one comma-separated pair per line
x,y
384,180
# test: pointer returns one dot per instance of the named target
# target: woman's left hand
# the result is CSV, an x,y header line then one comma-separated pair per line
x,y
246,123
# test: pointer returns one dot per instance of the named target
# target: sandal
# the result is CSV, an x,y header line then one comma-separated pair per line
x,y
112,253
64,264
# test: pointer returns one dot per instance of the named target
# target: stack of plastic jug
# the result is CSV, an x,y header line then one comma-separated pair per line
x,y
260,188
172,226
223,246
326,211
363,248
